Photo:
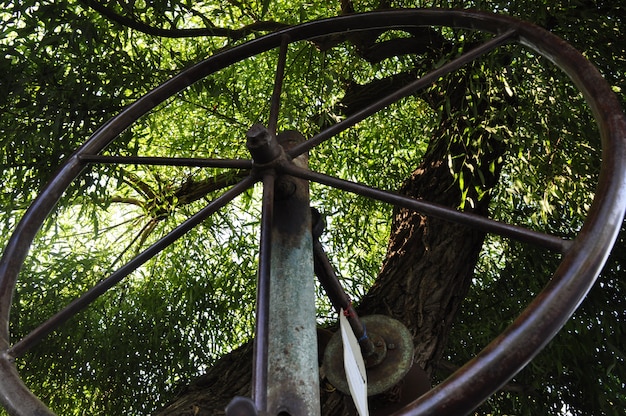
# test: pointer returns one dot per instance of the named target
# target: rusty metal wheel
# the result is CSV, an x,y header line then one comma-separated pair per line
x,y
582,258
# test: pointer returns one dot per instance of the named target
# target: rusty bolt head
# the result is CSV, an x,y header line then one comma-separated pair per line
x,y
262,144
241,406
257,136
285,187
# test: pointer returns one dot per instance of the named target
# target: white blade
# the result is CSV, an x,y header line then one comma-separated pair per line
x,y
354,366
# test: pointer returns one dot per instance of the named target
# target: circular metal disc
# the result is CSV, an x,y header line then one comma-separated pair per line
x,y
381,376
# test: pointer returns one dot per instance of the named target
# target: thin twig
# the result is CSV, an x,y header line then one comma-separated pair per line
x,y
234,34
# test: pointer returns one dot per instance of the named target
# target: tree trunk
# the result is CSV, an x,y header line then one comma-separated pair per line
x,y
429,264
422,283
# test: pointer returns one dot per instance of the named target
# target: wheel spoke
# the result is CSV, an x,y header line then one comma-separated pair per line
x,y
278,85
514,232
500,360
168,161
260,370
405,91
104,285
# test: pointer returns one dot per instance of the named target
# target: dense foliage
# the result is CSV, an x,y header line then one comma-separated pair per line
x,y
68,66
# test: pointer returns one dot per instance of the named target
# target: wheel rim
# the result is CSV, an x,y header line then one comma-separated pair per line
x,y
503,357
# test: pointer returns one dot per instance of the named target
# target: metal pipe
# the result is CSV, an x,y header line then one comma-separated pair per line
x,y
278,84
515,232
259,365
338,297
292,350
286,345
168,161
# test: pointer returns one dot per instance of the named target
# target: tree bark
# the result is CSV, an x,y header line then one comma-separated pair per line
x,y
422,283
429,264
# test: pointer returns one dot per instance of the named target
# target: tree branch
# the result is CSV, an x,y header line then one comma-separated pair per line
x,y
234,34
137,184
192,191
131,201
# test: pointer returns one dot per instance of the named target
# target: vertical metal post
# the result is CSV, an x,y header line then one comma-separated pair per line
x,y
293,373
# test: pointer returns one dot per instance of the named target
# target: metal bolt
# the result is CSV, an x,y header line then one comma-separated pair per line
x,y
285,187
262,144
241,406
257,136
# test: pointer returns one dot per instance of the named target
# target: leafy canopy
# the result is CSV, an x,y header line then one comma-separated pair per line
x,y
68,66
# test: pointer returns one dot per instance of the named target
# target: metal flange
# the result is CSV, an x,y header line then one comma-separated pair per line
x,y
385,367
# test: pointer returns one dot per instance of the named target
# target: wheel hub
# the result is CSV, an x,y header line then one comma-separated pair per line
x,y
386,365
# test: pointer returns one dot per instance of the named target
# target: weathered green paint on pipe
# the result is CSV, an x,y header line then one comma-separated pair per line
x,y
292,351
